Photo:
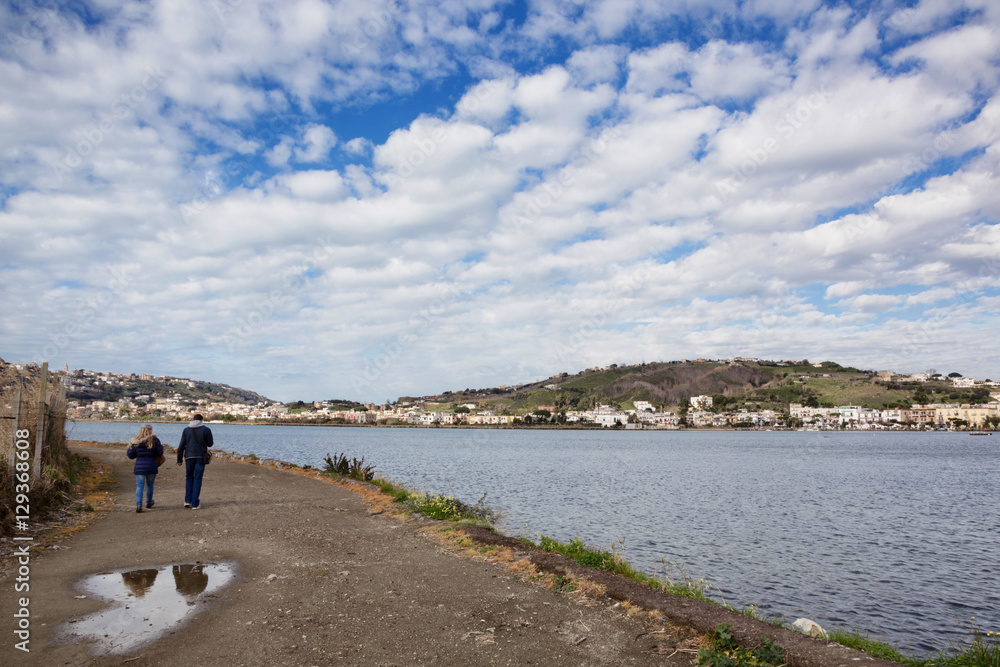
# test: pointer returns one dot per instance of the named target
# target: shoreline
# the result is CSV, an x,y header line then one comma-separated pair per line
x,y
639,600
539,427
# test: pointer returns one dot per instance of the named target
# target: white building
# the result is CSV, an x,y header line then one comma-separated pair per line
x,y
701,402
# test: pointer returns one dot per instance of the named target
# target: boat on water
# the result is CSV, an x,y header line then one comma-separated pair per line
x,y
980,433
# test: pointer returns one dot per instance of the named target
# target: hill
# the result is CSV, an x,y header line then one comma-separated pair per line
x,y
732,384
87,386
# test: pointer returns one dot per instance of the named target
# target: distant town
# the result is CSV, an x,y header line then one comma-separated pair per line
x,y
950,402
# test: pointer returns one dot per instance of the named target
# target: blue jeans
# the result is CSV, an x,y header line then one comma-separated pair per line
x,y
144,481
192,490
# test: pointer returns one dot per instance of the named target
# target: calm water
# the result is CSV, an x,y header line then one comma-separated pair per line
x,y
894,533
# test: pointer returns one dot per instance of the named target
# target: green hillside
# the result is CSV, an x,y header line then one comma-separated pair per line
x,y
733,385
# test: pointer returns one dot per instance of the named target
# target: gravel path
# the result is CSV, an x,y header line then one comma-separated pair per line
x,y
319,580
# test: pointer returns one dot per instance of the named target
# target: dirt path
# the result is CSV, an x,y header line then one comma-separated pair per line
x,y
318,581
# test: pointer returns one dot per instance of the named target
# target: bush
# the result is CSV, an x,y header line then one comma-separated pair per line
x,y
356,468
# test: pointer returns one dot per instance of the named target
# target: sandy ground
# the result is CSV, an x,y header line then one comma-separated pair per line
x,y
320,580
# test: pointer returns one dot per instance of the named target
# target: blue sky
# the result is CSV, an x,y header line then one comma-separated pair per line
x,y
371,199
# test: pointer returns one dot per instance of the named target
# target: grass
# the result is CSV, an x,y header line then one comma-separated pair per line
x,y
613,561
854,639
983,649
438,506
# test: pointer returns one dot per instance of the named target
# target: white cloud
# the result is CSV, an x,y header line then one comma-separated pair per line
x,y
358,146
598,64
313,185
317,140
873,303
280,154
699,195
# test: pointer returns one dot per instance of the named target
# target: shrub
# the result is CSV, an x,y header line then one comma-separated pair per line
x,y
356,468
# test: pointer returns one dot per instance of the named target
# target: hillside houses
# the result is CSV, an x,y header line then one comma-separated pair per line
x,y
104,395
940,415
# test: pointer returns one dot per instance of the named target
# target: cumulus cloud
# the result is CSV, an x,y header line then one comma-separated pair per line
x,y
641,192
317,140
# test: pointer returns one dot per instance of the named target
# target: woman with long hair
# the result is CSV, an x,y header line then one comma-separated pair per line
x,y
147,451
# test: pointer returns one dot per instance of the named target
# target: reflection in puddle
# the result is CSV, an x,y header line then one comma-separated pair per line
x,y
147,603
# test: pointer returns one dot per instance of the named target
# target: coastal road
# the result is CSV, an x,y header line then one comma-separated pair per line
x,y
318,580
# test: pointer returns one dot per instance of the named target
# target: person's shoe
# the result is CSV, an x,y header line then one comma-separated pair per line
x,y
138,509
196,507
187,504
149,504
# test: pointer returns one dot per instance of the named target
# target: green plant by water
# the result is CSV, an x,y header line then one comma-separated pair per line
x,y
355,468
725,652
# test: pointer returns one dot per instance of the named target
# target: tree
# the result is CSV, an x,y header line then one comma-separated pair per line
x,y
954,375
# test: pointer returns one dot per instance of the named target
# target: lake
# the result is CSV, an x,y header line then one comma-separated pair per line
x,y
896,534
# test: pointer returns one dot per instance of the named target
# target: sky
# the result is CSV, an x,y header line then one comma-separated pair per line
x,y
365,200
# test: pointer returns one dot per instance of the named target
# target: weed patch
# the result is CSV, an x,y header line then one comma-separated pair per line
x,y
725,652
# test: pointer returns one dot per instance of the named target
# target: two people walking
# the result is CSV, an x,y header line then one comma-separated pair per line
x,y
147,450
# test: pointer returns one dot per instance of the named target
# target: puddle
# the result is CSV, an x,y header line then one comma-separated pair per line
x,y
146,603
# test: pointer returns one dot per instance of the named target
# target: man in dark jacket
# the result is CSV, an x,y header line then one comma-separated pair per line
x,y
195,441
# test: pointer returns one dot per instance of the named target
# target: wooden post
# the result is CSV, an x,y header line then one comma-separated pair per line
x,y
40,433
17,426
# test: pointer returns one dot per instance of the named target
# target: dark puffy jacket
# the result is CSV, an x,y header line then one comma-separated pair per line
x,y
195,441
145,457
